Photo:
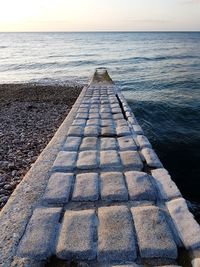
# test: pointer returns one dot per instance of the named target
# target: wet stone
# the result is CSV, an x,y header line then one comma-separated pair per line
x,y
137,129
88,160
113,187
58,188
155,239
76,239
39,239
140,186
126,143
65,161
116,239
86,187
72,143
89,143
131,159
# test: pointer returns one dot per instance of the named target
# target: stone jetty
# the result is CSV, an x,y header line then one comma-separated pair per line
x,y
98,195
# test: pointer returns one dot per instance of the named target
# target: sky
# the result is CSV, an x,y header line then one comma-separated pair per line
x,y
99,15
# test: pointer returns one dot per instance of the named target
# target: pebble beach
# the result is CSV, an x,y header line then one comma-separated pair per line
x,y
30,114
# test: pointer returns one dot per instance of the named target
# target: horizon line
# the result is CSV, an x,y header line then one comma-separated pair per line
x,y
108,31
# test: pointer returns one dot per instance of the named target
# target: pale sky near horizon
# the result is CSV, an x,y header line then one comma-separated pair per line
x,y
99,15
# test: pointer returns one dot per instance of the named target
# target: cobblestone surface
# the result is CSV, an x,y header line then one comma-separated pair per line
x,y
101,205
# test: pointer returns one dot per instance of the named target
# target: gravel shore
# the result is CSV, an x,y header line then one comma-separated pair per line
x,y
29,117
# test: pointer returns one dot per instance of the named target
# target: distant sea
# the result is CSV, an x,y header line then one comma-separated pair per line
x,y
159,74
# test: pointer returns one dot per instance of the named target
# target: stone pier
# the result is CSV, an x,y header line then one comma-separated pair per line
x,y
98,195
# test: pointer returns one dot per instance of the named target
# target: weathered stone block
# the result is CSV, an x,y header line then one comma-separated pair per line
x,y
166,187
131,159
139,186
123,130
143,141
118,116
94,116
93,122
108,131
185,224
76,239
108,143
113,186
88,160
116,239
89,143
86,187
155,239
109,158
72,143
137,129
151,158
91,131
106,116
65,161
39,239
82,116
79,122
106,123
58,188
126,143
75,131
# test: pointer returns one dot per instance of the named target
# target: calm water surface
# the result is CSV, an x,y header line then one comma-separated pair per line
x,y
159,74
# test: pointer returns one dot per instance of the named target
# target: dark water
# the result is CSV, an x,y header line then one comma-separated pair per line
x,y
159,74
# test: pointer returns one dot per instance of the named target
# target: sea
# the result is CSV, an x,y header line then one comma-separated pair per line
x,y
158,72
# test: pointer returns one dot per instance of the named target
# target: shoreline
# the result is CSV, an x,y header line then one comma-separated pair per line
x,y
25,112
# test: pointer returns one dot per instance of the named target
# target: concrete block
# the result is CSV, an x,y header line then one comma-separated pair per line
x,y
88,160
65,161
93,122
89,143
108,143
126,143
166,187
83,110
185,224
79,122
116,238
94,115
151,158
155,239
39,239
58,188
91,131
143,141
116,110
86,187
113,186
75,131
108,122
72,143
131,159
123,130
137,129
118,116
121,123
108,131
76,239
196,262
105,110
82,116
106,116
109,158
139,186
